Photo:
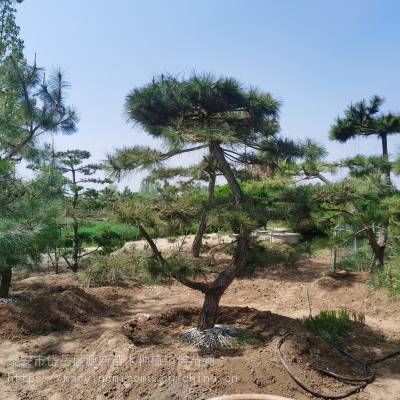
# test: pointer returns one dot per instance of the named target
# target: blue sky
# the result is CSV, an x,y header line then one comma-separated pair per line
x,y
315,56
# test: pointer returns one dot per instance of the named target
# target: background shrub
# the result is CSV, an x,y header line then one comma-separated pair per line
x,y
102,270
389,276
267,255
359,260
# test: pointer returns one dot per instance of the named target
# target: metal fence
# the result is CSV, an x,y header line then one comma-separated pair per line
x,y
346,241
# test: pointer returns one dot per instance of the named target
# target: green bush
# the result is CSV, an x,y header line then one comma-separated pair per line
x,y
359,260
110,270
151,272
389,276
268,255
331,326
101,270
91,230
179,265
108,240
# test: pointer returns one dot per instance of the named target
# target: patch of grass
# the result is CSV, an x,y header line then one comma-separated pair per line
x,y
333,325
267,255
180,265
388,277
359,260
11,378
101,270
151,272
319,245
247,339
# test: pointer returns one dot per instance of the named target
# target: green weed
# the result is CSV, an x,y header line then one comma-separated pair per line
x,y
388,277
333,325
359,260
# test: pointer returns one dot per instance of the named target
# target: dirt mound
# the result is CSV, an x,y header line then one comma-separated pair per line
x,y
328,283
340,279
255,364
148,360
153,363
55,308
171,324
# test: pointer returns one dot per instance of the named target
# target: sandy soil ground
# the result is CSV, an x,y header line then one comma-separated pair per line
x,y
123,343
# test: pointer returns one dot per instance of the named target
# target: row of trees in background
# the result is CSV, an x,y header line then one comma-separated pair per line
x,y
34,212
32,105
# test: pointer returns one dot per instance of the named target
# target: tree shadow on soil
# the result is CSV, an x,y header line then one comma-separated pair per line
x,y
309,273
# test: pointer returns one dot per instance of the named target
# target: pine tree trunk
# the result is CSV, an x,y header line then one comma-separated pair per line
x,y
198,239
385,155
6,275
76,247
379,251
196,246
75,267
378,246
156,253
378,260
209,311
242,247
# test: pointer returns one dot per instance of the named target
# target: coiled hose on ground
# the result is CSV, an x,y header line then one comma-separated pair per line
x,y
368,374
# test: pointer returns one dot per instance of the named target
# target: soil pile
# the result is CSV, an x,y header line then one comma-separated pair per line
x,y
48,309
149,361
136,351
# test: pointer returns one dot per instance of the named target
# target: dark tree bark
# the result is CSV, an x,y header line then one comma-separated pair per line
x,y
378,260
378,247
197,241
75,227
213,291
150,241
379,250
76,247
74,267
209,311
322,178
385,155
200,286
6,275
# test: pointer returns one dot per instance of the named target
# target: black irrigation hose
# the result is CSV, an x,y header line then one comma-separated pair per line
x,y
365,363
390,355
346,378
306,388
